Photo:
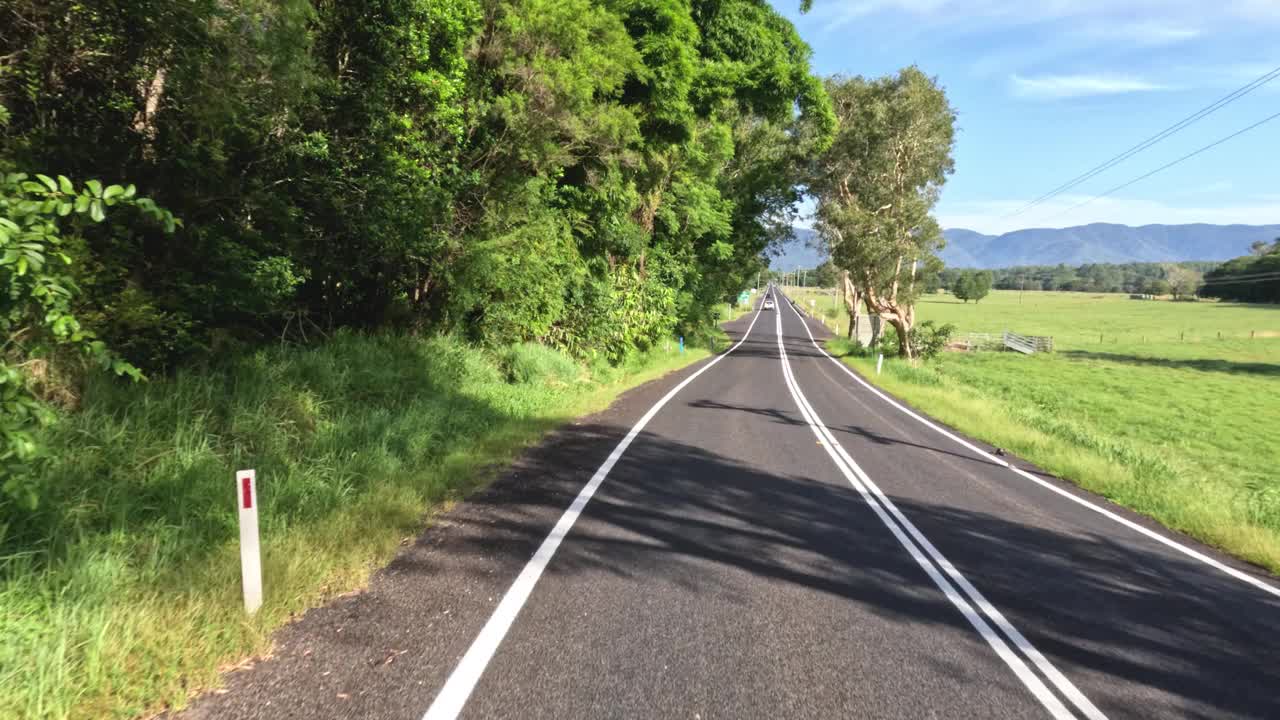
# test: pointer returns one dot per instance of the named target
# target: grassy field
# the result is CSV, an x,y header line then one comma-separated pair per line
x,y
1158,413
120,593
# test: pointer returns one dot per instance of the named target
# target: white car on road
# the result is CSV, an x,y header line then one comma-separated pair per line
x,y
768,303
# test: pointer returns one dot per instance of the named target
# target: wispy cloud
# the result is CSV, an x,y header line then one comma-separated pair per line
x,y
989,216
1148,34
1213,188
1068,86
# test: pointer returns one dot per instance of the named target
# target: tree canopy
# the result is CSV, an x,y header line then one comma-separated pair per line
x,y
1252,278
590,175
877,184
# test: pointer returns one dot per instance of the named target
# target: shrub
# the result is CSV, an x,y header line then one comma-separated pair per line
x,y
929,340
530,362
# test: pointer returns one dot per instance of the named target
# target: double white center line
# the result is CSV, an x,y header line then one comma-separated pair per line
x,y
976,609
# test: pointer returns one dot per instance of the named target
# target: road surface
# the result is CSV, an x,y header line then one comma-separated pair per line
x,y
762,535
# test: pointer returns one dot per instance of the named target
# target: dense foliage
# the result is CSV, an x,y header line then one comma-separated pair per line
x,y
1252,278
588,175
972,285
37,319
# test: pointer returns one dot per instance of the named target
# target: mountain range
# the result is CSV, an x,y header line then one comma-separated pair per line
x,y
1102,243
1096,243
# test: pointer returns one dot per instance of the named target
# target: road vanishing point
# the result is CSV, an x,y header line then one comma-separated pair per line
x,y
765,535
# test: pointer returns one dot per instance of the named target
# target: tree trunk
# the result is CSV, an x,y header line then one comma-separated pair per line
x,y
872,318
144,120
851,298
901,317
904,343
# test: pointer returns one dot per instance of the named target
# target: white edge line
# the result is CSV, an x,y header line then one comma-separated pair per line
x,y
1190,552
457,689
878,502
1040,661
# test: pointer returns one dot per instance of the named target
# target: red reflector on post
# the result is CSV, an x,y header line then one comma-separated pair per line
x,y
247,491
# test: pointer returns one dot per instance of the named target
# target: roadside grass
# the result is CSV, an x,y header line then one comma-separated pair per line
x,y
120,592
1177,429
726,312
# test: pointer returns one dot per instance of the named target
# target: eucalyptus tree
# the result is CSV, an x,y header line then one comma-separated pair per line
x,y
877,185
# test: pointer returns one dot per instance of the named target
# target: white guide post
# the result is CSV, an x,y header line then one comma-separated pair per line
x,y
250,557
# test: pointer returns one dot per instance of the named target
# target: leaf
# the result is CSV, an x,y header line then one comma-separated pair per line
x,y
82,203
48,182
22,265
112,192
130,191
65,184
96,212
64,209
95,187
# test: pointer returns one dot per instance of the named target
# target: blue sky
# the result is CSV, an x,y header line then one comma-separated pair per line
x,y
1047,89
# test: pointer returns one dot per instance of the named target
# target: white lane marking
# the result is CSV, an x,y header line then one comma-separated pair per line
x,y
878,502
457,689
1189,552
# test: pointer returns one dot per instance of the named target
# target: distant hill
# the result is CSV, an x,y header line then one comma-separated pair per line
x,y
1102,243
799,253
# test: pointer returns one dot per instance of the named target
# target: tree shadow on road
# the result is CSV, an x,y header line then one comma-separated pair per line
x,y
1112,610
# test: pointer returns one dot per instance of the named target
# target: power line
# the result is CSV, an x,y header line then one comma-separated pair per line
x,y
1166,166
1172,129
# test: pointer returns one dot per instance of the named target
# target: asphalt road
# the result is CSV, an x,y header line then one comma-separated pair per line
x,y
779,541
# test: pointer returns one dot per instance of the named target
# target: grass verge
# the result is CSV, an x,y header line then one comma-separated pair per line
x,y
1184,447
120,594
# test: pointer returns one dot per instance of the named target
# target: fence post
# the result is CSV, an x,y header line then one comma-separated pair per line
x,y
879,362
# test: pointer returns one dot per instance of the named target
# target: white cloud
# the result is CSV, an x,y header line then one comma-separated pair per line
x,y
1066,86
1149,34
1218,186
990,216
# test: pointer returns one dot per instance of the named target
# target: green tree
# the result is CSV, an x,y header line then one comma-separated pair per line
x,y
1183,282
1156,286
824,276
962,286
878,183
980,285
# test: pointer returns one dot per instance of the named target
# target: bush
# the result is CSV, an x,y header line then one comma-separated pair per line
x,y
842,347
929,340
530,362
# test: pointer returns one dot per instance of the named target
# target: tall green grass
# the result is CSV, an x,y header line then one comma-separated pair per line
x,y
1161,416
120,593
